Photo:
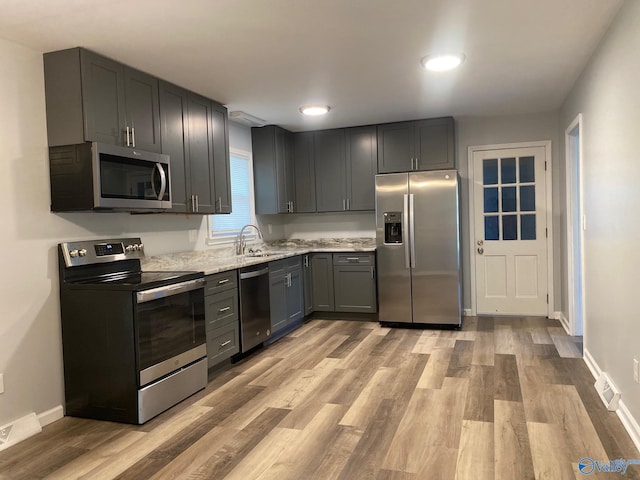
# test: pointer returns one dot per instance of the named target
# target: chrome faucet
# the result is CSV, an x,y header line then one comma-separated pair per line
x,y
241,243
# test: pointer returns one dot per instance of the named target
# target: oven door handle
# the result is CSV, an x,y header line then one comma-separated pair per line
x,y
169,290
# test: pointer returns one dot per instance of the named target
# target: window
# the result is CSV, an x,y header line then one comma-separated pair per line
x,y
224,228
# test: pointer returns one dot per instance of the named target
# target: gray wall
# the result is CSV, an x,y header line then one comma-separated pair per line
x,y
607,95
475,131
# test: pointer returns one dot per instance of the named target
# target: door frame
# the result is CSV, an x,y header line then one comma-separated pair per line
x,y
575,205
549,215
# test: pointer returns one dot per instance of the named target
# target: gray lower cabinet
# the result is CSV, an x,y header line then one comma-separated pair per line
x,y
93,98
354,283
307,284
286,292
222,316
416,145
322,282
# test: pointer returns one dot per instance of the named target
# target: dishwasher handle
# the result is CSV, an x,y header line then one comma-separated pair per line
x,y
254,273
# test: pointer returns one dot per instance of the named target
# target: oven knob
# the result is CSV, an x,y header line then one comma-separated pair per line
x,y
82,252
140,247
135,247
73,253
128,248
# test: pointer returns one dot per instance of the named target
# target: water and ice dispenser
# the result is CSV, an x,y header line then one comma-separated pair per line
x,y
392,227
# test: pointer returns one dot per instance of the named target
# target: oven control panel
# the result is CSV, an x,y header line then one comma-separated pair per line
x,y
101,251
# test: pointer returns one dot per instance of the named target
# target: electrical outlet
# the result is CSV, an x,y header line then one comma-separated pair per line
x,y
193,236
1,382
636,370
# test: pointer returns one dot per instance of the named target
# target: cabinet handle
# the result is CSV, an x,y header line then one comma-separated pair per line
x,y
222,310
373,272
222,282
348,204
291,206
417,163
219,209
344,204
193,203
353,259
197,204
133,136
288,279
224,344
306,260
128,136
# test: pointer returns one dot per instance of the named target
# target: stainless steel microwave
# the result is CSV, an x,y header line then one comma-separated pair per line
x,y
104,177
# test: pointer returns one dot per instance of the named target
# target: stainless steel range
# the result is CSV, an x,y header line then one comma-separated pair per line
x,y
134,342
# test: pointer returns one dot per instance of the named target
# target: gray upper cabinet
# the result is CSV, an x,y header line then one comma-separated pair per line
x,y
221,161
361,157
416,145
93,98
142,110
304,172
273,170
331,182
345,169
194,135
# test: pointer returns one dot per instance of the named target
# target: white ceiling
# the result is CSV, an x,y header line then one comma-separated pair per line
x,y
362,57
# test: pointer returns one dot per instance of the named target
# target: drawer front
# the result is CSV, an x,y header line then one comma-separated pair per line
x,y
222,343
219,282
293,263
221,308
353,259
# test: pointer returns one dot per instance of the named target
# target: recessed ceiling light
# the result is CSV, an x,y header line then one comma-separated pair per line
x,y
442,63
314,110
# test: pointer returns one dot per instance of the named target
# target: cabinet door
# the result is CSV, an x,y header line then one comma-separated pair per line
x,y
434,144
295,296
278,302
221,162
355,288
142,109
331,185
395,147
308,285
269,145
362,157
103,99
322,282
201,170
304,172
173,127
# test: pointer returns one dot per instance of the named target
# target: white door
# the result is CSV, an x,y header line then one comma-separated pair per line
x,y
510,231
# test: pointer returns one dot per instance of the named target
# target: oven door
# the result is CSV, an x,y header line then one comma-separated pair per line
x,y
170,328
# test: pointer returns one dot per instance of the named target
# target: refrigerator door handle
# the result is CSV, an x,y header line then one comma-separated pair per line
x,y
405,228
412,232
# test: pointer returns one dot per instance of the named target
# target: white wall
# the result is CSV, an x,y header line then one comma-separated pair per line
x,y
607,95
475,131
30,343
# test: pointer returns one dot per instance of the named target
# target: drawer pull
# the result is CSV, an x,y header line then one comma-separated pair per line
x,y
222,282
353,259
222,310
224,344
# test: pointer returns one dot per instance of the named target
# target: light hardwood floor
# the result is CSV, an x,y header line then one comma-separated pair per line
x,y
503,398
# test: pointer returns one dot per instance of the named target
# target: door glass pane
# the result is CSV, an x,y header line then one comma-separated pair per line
x,y
508,170
490,200
509,199
528,198
491,228
528,225
490,171
527,172
510,227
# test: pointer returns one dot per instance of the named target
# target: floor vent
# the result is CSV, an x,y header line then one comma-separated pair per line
x,y
607,391
19,430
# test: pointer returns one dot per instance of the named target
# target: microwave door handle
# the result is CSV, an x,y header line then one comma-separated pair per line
x,y
163,181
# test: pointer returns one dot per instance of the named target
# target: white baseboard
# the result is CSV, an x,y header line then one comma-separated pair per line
x,y
563,321
467,312
50,416
628,421
19,430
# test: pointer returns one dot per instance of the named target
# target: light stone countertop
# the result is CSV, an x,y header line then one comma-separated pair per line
x,y
223,259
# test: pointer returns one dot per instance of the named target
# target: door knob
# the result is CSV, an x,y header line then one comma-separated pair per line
x,y
480,250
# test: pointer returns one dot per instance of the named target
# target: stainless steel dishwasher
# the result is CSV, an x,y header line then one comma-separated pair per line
x,y
255,314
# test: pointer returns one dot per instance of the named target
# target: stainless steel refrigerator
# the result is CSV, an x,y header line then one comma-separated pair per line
x,y
418,248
